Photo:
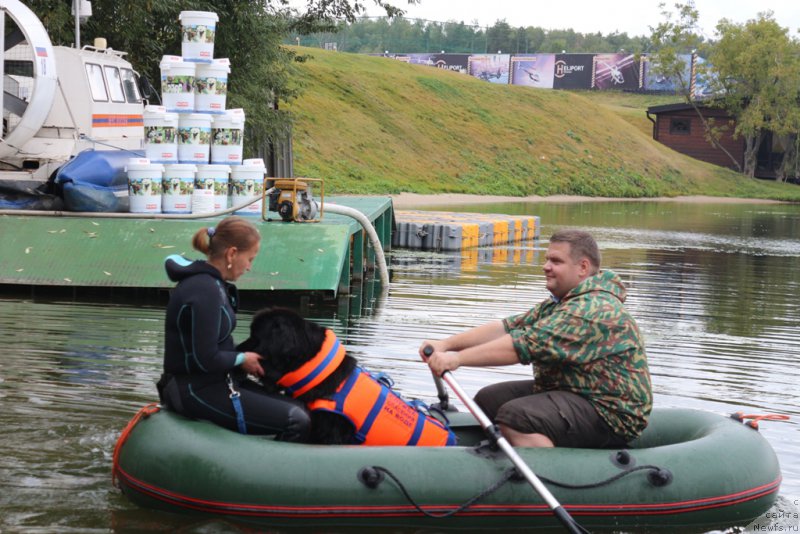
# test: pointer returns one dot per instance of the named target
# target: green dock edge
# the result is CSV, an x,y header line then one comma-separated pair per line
x,y
319,258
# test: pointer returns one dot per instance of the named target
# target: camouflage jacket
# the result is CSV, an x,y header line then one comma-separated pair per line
x,y
588,344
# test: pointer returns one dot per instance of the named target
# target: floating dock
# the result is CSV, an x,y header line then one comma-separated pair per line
x,y
440,230
321,258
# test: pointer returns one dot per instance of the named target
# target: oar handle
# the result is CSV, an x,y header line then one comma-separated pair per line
x,y
569,523
441,391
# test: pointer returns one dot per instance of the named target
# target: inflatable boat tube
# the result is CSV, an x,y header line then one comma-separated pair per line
x,y
690,470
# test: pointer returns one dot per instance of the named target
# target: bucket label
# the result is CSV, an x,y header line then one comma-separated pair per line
x,y
204,184
248,188
144,187
177,84
199,33
177,186
160,135
211,85
194,135
221,186
227,137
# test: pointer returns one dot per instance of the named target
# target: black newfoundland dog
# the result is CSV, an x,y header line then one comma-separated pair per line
x,y
307,362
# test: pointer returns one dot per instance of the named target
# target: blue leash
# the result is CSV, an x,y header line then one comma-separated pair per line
x,y
237,406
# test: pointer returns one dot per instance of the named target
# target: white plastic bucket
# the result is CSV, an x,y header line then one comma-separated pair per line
x,y
177,188
199,29
211,86
247,183
194,138
160,135
227,137
211,188
177,84
144,185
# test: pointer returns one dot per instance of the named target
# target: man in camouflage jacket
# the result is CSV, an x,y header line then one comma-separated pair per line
x,y
591,384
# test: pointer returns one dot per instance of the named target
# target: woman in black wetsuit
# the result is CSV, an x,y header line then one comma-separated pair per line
x,y
204,375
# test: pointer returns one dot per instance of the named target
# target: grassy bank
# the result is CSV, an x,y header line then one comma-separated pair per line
x,y
370,125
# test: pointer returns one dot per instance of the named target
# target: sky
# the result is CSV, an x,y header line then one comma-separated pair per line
x,y
633,17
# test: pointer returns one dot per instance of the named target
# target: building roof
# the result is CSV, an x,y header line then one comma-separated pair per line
x,y
681,106
666,108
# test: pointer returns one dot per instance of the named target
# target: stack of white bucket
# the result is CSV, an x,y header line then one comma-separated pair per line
x,y
195,141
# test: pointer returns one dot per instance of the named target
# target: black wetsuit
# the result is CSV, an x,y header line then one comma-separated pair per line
x,y
200,355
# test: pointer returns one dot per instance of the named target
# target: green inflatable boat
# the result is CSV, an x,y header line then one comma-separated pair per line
x,y
690,471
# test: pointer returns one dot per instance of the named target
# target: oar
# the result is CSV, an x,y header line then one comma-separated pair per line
x,y
441,392
494,434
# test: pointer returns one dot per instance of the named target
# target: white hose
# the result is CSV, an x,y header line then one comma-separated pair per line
x,y
380,257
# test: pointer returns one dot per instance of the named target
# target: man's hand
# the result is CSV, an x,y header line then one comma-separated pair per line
x,y
438,361
437,346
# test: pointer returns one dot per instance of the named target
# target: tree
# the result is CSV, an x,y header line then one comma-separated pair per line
x,y
250,35
756,68
500,38
671,40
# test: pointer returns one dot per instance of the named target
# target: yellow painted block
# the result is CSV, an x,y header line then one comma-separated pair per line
x,y
500,231
517,230
470,234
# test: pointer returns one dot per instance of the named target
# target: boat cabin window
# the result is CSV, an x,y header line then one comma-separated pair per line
x,y
131,87
96,83
114,84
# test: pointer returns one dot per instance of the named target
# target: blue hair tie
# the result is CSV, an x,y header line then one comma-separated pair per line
x,y
211,231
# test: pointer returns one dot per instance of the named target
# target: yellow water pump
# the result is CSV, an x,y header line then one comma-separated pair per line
x,y
293,199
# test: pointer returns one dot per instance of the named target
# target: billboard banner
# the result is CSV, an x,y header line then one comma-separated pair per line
x,y
652,81
490,67
616,71
454,62
573,71
533,70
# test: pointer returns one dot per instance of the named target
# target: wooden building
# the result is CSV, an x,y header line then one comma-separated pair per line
x,y
679,127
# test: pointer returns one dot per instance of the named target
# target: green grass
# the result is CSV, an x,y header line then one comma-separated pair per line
x,y
370,125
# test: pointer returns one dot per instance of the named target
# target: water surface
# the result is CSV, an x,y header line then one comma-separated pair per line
x,y
715,289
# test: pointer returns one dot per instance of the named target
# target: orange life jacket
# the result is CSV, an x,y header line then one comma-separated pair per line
x,y
379,415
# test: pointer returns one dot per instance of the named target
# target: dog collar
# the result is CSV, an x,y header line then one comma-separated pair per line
x,y
315,370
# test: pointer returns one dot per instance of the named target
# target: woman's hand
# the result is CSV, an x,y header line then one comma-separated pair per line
x,y
252,364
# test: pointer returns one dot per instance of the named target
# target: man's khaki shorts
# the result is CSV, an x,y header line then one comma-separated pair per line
x,y
568,419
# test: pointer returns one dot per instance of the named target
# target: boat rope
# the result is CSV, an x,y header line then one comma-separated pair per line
x,y
145,412
755,418
657,476
373,476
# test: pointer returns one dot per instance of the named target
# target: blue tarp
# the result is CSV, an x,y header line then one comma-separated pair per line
x,y
95,180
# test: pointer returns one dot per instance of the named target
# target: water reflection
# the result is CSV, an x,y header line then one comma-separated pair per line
x,y
713,287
